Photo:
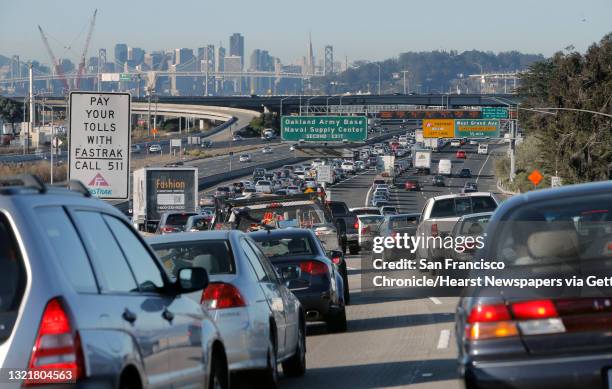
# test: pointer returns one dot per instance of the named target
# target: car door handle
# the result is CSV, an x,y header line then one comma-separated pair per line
x,y
129,316
168,315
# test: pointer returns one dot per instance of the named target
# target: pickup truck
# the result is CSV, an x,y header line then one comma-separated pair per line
x,y
347,224
440,215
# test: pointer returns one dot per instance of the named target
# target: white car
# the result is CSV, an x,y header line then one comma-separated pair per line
x,y
455,143
359,165
483,149
291,190
348,167
317,163
473,142
267,150
155,148
264,186
245,158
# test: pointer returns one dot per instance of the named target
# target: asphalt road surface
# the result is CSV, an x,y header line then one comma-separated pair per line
x,y
407,343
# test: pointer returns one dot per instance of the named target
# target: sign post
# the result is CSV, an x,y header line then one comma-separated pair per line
x,y
324,128
99,139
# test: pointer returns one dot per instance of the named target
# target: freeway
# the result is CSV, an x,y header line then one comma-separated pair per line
x,y
406,343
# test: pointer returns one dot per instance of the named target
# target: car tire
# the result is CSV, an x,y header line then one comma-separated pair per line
x,y
296,365
268,378
336,322
219,378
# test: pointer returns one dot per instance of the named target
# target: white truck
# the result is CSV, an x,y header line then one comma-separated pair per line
x,y
422,161
445,167
162,189
268,133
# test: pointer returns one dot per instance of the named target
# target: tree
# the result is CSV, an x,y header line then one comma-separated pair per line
x,y
10,111
575,145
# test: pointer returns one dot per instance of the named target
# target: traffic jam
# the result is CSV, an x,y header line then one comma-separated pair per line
x,y
230,285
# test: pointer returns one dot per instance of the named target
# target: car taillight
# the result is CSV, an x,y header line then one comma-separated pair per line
x,y
534,317
537,309
168,229
57,346
314,268
356,224
220,295
434,229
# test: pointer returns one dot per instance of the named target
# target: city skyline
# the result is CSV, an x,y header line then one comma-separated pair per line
x,y
541,30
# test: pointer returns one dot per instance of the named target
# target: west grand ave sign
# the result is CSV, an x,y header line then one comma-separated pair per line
x,y
324,128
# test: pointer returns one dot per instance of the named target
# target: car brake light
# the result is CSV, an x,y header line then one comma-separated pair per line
x,y
489,313
168,229
537,309
57,346
314,268
356,224
220,295
434,229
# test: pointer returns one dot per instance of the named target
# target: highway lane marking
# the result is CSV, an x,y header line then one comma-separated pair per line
x,y
482,167
351,268
435,300
444,339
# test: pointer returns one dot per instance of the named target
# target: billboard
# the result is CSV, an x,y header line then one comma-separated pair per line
x,y
99,141
324,128
438,128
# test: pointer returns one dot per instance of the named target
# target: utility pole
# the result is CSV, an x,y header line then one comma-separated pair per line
x,y
404,73
31,126
149,114
512,149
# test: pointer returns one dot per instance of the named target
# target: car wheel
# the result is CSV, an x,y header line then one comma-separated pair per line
x,y
296,365
269,377
336,322
218,374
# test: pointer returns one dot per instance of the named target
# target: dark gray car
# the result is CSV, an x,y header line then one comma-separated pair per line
x,y
81,292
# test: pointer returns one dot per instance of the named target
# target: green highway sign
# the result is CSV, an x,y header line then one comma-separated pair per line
x,y
324,128
494,113
125,77
477,128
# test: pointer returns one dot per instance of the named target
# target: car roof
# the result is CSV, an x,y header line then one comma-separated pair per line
x,y
279,233
459,195
191,236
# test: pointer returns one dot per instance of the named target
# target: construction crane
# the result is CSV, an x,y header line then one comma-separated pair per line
x,y
84,55
58,67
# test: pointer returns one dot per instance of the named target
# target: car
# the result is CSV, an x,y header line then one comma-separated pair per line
x,y
245,158
317,162
469,187
315,280
455,143
460,154
368,229
483,149
237,138
172,222
293,189
348,167
155,148
473,142
206,144
136,149
292,148
83,295
264,186
267,150
379,201
445,167
223,191
346,222
388,210
438,180
412,185
465,173
261,321
551,336
398,224
440,214
198,223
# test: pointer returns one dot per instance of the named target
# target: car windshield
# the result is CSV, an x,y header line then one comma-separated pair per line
x,y
212,255
298,245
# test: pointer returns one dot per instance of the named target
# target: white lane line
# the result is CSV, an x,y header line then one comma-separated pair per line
x,y
482,167
444,339
351,268
435,300
368,196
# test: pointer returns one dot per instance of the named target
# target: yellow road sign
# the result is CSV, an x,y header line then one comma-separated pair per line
x,y
438,128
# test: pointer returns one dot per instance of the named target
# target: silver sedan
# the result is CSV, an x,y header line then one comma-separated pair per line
x,y
261,322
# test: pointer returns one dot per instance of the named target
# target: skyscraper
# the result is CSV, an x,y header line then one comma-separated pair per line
x,y
219,56
310,59
233,63
121,54
136,55
236,47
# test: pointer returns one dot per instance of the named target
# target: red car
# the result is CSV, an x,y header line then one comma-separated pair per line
x,y
412,185
460,154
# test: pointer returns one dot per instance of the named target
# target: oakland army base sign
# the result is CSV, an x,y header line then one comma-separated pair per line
x,y
100,142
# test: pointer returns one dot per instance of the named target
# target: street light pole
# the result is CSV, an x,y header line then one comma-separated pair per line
x,y
404,73
379,78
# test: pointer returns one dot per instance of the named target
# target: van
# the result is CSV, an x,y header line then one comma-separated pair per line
x,y
445,167
483,149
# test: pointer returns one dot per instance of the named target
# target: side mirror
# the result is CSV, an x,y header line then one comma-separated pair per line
x,y
191,279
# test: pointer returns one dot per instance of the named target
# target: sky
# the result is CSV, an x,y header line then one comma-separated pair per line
x,y
358,29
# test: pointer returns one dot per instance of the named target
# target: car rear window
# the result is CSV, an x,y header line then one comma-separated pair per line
x,y
213,255
297,245
371,219
404,221
366,212
460,206
337,208
12,279
474,225
178,219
